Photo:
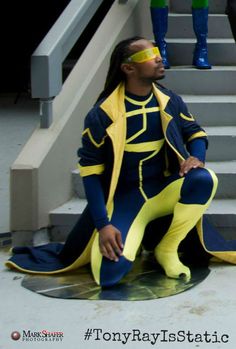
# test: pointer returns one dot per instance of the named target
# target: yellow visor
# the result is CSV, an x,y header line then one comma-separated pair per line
x,y
144,55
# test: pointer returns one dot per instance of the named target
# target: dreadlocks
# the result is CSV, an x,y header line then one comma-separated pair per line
x,y
115,74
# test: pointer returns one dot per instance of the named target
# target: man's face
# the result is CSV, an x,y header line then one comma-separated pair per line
x,y
151,69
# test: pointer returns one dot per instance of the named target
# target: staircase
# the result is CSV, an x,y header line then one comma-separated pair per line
x,y
210,96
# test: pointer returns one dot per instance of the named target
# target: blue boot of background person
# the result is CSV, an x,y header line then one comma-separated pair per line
x,y
200,26
160,25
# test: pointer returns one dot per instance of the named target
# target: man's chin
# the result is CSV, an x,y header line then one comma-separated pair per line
x,y
161,77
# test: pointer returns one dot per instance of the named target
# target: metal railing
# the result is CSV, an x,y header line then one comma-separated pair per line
x,y
47,59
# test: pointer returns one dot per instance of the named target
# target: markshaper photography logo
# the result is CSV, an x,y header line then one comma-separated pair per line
x,y
15,335
38,336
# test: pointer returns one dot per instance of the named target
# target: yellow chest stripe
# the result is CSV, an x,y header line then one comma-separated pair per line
x,y
135,102
145,146
142,130
140,111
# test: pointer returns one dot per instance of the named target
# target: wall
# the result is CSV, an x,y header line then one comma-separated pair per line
x,y
41,175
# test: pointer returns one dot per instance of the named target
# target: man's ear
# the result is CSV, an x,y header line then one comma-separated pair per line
x,y
127,68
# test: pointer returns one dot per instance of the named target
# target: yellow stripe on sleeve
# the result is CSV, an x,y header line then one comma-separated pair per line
x,y
197,135
188,118
90,170
97,145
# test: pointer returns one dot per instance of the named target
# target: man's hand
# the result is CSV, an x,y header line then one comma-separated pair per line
x,y
188,164
110,242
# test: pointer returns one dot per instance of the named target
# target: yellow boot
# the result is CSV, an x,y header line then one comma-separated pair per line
x,y
184,219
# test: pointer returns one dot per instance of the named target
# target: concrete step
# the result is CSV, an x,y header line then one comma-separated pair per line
x,y
222,143
63,218
77,184
70,210
222,213
184,6
221,52
181,26
212,110
226,173
68,213
216,81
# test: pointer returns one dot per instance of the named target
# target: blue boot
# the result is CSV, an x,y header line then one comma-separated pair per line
x,y
159,17
200,26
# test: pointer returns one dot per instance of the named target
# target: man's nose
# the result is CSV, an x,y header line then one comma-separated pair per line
x,y
158,59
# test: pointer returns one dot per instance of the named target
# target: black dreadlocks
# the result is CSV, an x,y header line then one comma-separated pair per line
x,y
115,74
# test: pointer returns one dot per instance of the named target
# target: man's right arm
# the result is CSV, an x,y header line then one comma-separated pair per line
x,y
92,164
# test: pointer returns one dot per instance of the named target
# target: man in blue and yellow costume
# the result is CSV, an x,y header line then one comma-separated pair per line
x,y
159,15
142,159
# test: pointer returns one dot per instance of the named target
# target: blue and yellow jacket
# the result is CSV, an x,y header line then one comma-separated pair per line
x,y
104,142
105,126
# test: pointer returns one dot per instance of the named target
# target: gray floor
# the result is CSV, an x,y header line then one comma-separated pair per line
x,y
204,313
207,311
18,118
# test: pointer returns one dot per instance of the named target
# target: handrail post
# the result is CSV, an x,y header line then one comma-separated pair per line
x,y
47,59
46,114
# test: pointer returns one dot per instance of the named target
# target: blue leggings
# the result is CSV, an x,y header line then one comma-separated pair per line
x,y
134,209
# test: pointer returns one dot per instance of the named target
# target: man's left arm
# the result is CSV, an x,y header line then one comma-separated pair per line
x,y
195,139
197,150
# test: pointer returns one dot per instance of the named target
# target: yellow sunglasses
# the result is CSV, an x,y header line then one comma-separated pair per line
x,y
144,55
